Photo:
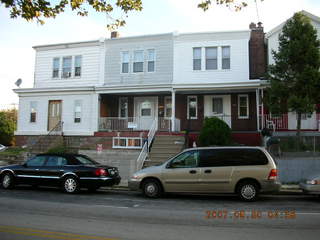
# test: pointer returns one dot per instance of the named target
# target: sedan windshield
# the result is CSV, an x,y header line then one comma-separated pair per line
x,y
85,160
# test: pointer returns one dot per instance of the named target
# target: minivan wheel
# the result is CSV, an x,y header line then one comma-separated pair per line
x,y
71,185
248,191
7,181
151,188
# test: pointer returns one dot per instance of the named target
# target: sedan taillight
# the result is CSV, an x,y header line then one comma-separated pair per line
x,y
100,172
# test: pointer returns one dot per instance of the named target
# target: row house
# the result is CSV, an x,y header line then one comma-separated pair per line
x,y
127,87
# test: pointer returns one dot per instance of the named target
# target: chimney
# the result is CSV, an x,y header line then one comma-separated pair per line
x,y
114,34
257,51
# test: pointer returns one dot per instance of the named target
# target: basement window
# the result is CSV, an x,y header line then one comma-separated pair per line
x,y
127,142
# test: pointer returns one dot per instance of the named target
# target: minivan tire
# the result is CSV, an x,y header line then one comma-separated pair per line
x,y
248,191
151,188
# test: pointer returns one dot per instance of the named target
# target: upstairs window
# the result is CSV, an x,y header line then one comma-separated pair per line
x,y
192,107
77,111
56,67
197,58
77,66
138,61
123,107
225,57
33,111
211,58
151,60
125,62
66,67
243,106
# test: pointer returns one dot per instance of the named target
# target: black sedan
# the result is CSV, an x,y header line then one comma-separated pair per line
x,y
69,171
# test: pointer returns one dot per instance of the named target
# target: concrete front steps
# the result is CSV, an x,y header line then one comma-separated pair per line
x,y
163,148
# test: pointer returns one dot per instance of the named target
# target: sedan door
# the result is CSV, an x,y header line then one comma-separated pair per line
x,y
53,170
30,173
182,173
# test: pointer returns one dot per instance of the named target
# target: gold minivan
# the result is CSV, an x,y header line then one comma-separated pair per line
x,y
246,171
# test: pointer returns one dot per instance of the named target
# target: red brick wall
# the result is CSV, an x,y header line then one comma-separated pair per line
x,y
257,53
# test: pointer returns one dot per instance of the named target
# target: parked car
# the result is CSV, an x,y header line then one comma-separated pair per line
x,y
246,171
2,147
69,171
311,185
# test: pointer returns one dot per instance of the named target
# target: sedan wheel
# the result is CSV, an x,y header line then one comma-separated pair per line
x,y
151,189
248,191
7,181
71,185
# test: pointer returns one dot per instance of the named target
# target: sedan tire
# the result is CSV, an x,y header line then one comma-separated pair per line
x,y
7,181
248,191
70,185
151,188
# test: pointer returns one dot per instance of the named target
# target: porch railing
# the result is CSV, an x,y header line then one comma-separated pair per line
x,y
136,124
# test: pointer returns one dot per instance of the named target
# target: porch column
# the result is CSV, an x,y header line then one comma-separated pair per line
x,y
258,106
173,110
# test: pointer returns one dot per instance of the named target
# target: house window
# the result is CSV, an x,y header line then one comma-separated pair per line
x,y
167,107
66,67
33,111
56,67
211,58
146,109
77,66
138,61
217,105
125,62
243,106
192,107
225,57
123,107
151,60
197,58
77,111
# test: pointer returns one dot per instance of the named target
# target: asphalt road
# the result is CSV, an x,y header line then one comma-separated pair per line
x,y
45,213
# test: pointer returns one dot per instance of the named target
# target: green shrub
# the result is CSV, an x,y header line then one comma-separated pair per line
x,y
58,150
215,132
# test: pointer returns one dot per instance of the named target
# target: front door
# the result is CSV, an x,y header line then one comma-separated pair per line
x,y
54,113
145,111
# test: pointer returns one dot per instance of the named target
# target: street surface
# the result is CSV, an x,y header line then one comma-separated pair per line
x,y
45,213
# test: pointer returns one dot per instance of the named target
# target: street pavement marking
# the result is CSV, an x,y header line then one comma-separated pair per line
x,y
49,234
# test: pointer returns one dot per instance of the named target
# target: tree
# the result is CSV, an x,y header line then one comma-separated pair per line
x,y
295,78
8,121
215,132
40,9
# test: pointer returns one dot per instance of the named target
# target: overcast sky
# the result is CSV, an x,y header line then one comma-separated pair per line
x,y
158,16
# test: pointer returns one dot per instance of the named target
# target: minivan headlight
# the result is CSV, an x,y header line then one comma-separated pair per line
x,y
136,176
313,182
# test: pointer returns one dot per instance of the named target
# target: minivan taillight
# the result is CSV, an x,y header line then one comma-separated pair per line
x,y
100,172
273,174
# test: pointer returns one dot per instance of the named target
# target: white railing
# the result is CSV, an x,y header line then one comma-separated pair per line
x,y
275,121
152,132
165,124
142,156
